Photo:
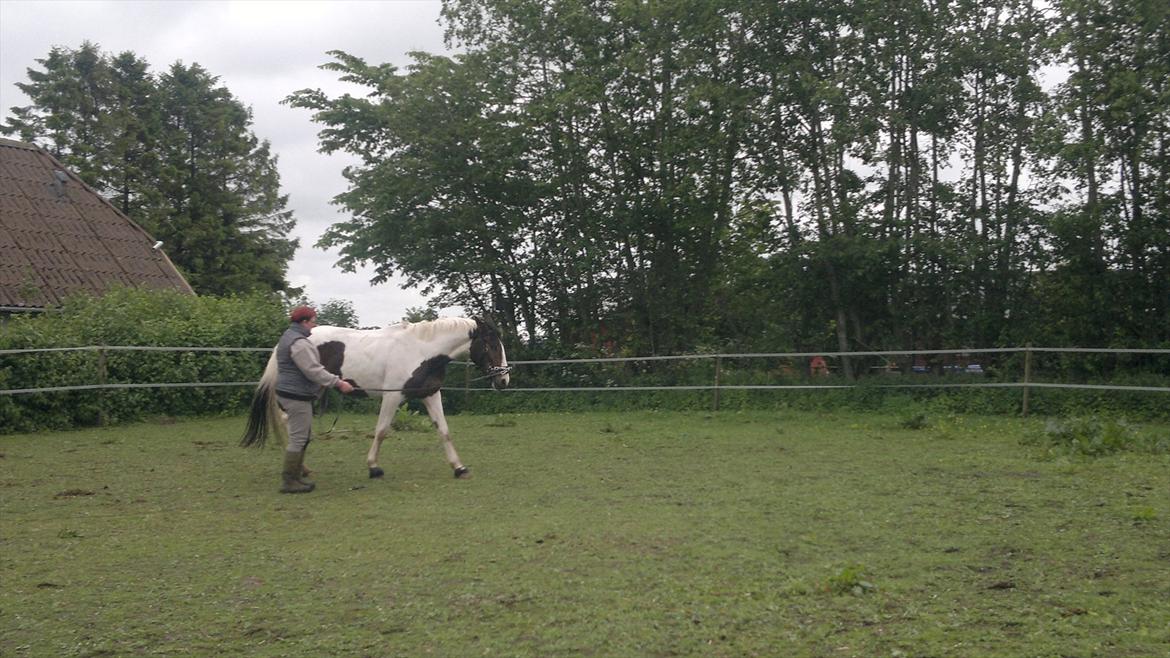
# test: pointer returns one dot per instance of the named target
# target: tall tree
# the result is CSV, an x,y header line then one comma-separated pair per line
x,y
71,115
443,194
175,153
1112,233
799,174
223,215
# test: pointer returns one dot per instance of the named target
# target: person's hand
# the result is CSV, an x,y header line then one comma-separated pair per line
x,y
344,386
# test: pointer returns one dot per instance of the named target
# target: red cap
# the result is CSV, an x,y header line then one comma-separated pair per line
x,y
302,313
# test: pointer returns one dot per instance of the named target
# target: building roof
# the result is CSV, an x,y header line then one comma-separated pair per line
x,y
58,236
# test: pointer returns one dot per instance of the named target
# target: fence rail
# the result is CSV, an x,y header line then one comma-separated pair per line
x,y
95,387
752,387
134,348
803,355
716,386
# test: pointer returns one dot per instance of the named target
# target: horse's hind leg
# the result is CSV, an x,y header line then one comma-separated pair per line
x,y
390,403
434,405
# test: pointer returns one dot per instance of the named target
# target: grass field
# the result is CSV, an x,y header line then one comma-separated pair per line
x,y
647,534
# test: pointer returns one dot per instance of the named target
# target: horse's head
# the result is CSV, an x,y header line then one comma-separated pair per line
x,y
487,352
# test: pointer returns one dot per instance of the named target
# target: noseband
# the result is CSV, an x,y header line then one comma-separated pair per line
x,y
494,371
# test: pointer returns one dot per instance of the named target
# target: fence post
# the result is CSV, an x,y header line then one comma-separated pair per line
x,y
1027,375
718,370
103,417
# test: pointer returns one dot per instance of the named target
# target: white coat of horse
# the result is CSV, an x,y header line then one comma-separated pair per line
x,y
402,361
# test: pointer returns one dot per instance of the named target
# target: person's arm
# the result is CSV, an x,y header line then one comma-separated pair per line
x,y
305,357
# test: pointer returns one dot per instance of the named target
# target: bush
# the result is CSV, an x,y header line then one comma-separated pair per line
x,y
1095,437
133,317
850,580
873,393
169,319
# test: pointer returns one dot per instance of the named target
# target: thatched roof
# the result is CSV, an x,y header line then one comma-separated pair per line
x,y
58,236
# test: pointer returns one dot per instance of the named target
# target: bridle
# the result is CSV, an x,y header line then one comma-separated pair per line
x,y
494,371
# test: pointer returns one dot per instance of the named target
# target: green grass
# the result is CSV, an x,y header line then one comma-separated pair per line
x,y
640,534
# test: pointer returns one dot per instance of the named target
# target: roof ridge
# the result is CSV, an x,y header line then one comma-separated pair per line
x,y
18,144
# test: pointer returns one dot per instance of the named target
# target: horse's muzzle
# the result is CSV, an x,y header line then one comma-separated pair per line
x,y
500,377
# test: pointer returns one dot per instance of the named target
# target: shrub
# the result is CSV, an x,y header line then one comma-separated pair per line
x,y
133,317
915,421
850,580
1095,437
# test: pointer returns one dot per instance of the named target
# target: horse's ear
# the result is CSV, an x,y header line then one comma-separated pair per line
x,y
486,321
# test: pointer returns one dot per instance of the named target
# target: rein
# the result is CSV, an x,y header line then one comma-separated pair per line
x,y
493,371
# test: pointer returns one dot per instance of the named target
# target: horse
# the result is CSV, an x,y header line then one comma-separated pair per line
x,y
400,362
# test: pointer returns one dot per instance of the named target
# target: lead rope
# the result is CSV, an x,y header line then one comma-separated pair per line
x,y
493,371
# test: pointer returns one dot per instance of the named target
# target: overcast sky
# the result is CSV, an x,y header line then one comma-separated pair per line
x,y
261,51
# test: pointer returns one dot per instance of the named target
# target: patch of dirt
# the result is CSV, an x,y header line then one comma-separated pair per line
x,y
73,493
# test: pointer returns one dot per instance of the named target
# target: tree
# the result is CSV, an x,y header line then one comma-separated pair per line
x,y
420,314
338,313
523,177
1109,271
175,152
223,216
818,176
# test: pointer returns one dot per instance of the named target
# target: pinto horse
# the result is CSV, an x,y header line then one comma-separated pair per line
x,y
402,361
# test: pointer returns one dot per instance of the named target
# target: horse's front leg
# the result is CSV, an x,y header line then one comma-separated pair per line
x,y
390,402
434,405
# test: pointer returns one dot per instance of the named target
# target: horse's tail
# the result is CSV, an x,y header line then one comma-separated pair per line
x,y
264,414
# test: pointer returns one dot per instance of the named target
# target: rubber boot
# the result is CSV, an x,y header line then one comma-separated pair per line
x,y
305,472
291,475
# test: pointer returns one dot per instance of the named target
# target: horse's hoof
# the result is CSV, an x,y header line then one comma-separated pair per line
x,y
376,472
462,473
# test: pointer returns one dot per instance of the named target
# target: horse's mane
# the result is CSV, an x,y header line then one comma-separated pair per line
x,y
426,330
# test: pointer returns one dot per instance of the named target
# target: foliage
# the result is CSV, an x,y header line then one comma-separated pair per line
x,y
850,580
335,312
916,421
420,314
602,534
175,152
338,313
1094,436
780,176
139,318
920,399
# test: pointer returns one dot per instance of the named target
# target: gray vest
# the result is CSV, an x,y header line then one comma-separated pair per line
x,y
290,381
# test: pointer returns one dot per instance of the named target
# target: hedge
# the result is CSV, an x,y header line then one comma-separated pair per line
x,y
132,317
129,317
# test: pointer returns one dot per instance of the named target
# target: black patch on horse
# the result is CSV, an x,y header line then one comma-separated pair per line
x,y
332,355
427,378
332,358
